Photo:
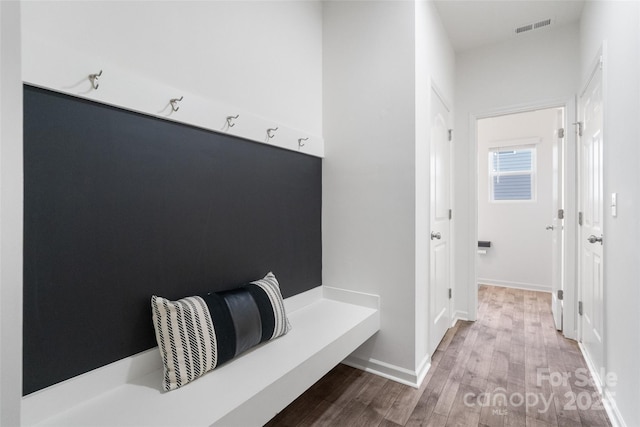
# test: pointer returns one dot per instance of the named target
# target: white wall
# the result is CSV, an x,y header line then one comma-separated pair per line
x,y
526,70
379,59
368,171
520,253
11,197
616,24
260,58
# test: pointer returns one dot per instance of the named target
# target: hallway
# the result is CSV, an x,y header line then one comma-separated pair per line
x,y
509,368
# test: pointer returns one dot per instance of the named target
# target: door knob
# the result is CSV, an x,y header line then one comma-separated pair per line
x,y
594,239
550,227
436,235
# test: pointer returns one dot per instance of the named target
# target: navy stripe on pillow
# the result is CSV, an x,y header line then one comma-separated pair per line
x,y
222,325
266,310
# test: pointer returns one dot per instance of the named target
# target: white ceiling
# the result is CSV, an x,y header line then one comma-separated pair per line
x,y
474,23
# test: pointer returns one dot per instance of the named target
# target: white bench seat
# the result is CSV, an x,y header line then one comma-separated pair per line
x,y
248,390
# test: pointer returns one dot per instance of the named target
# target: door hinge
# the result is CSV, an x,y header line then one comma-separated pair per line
x,y
450,213
450,293
560,294
580,218
580,308
561,133
560,213
450,134
578,128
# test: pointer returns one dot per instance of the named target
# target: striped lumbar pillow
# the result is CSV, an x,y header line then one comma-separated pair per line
x,y
198,333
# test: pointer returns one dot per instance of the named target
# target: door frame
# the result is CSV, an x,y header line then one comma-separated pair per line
x,y
569,275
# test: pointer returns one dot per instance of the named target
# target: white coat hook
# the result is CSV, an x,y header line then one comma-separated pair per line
x,y
270,132
174,103
300,143
94,80
230,120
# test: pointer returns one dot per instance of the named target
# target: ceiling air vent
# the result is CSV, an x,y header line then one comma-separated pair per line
x,y
524,28
541,24
534,26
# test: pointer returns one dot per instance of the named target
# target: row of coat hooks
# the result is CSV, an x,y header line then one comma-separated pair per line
x,y
173,102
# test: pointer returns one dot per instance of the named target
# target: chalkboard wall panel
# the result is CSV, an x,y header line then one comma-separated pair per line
x,y
120,206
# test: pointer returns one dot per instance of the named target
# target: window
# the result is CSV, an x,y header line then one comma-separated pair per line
x,y
512,173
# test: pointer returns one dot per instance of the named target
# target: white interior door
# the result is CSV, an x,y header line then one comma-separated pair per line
x,y
557,223
591,231
439,275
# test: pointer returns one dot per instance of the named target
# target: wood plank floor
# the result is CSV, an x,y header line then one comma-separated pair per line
x,y
509,368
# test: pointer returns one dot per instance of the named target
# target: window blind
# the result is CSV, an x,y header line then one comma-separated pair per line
x,y
512,174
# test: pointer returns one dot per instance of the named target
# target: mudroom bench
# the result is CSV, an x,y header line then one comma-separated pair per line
x,y
327,325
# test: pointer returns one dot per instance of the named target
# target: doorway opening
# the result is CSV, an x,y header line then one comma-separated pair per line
x,y
525,164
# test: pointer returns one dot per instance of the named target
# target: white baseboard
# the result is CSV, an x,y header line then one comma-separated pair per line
x,y
422,370
593,369
516,285
608,399
613,412
459,315
389,371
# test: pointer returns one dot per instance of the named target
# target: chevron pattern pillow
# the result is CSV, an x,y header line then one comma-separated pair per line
x,y
196,334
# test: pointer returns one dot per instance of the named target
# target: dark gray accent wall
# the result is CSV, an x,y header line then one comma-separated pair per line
x,y
120,206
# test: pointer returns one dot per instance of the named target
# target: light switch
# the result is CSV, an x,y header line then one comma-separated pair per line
x,y
614,204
